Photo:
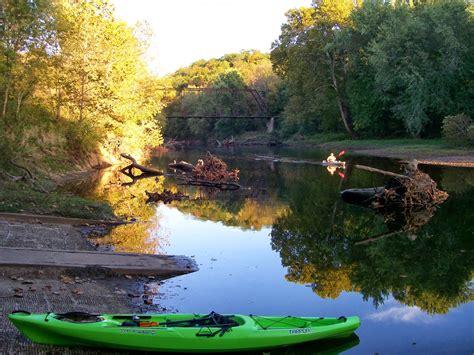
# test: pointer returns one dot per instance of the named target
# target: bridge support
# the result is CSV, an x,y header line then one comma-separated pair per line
x,y
270,124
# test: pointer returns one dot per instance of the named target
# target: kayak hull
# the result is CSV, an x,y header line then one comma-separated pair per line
x,y
339,164
251,333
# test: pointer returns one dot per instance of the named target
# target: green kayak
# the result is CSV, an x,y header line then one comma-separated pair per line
x,y
179,332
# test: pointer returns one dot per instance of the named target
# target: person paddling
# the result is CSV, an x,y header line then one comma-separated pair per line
x,y
331,158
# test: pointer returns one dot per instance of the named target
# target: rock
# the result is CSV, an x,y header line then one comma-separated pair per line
x,y
66,279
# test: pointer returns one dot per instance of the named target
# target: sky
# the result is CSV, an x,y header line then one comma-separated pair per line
x,y
189,30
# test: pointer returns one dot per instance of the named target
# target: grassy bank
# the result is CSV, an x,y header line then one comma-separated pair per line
x,y
402,148
22,197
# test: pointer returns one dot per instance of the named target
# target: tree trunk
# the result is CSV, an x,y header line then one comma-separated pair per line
x,y
18,104
343,108
81,104
58,105
5,100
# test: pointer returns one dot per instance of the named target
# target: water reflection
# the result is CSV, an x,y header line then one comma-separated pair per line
x,y
332,247
127,201
319,241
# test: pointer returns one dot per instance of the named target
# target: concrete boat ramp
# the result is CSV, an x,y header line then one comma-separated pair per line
x,y
53,243
91,262
46,264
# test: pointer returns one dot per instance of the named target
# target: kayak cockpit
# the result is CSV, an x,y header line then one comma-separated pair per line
x,y
175,321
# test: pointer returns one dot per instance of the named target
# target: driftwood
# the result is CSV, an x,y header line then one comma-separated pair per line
x,y
389,173
27,177
182,165
143,169
30,175
11,177
135,178
166,196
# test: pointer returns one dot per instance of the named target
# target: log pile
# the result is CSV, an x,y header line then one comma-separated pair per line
x,y
408,200
415,190
211,172
215,170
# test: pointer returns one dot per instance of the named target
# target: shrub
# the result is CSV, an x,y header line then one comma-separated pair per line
x,y
458,128
470,134
81,137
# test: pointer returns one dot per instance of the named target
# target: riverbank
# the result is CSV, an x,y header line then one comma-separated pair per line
x,y
426,151
432,152
41,290
64,288
23,197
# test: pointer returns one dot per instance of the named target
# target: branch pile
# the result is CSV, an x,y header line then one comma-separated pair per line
x,y
417,189
215,170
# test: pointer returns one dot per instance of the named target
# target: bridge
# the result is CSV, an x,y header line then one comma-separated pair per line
x,y
255,94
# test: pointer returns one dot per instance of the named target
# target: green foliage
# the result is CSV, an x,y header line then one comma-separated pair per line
x,y
80,137
458,128
227,82
308,56
74,75
381,69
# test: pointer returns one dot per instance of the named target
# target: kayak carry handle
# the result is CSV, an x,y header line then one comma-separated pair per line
x,y
343,318
20,311
77,314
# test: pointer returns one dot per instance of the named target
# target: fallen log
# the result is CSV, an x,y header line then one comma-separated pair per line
x,y
182,165
143,169
362,196
30,175
11,177
374,170
377,237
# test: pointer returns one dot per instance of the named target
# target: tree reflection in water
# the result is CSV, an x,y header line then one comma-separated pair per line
x,y
429,266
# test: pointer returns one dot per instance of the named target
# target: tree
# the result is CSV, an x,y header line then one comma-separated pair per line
x,y
422,58
229,86
308,56
26,33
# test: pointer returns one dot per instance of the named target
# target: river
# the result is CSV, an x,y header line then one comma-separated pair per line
x,y
287,244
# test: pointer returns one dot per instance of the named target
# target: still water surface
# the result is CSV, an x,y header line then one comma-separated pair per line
x,y
287,244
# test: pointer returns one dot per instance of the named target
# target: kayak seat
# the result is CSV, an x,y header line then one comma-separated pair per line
x,y
130,323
